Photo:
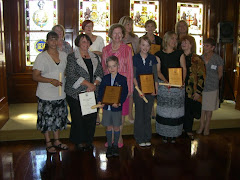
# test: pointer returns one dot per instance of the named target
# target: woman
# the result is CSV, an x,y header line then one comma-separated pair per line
x,y
83,73
181,29
214,71
124,54
170,101
150,27
52,114
97,41
194,84
62,44
97,44
130,37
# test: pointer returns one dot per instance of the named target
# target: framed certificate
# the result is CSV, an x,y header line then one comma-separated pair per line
x,y
112,94
87,100
147,84
130,45
175,76
154,48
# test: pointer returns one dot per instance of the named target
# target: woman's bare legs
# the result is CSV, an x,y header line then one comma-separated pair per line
x,y
202,120
49,145
207,123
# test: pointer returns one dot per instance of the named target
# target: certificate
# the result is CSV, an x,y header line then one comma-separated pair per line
x,y
87,100
154,48
175,76
130,45
147,84
112,95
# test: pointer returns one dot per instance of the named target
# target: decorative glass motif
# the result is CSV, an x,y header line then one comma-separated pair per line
x,y
141,11
40,17
193,15
97,11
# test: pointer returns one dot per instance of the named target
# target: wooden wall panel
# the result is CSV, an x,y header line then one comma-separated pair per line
x,y
4,112
19,77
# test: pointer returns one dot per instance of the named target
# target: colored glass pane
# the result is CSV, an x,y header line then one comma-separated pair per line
x,y
40,17
141,11
193,15
97,11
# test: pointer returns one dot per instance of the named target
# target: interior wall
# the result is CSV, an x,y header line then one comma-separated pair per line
x,y
21,87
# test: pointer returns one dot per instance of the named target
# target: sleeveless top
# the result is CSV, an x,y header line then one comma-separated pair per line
x,y
169,60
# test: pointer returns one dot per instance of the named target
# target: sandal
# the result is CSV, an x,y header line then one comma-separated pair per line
x,y
50,147
60,146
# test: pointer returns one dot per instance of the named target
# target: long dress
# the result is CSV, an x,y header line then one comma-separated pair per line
x,y
170,101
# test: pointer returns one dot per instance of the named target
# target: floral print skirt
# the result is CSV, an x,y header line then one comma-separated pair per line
x,y
52,115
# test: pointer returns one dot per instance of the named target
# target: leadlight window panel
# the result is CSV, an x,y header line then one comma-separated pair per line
x,y
141,11
97,11
192,13
40,17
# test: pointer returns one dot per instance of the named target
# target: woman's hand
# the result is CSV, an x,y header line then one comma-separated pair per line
x,y
129,95
196,96
91,87
56,83
102,105
116,105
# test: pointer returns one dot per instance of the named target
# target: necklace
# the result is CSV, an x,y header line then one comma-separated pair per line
x,y
118,46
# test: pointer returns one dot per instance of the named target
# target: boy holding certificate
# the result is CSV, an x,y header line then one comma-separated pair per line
x,y
112,103
145,77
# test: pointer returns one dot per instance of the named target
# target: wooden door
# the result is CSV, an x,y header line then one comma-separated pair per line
x,y
4,111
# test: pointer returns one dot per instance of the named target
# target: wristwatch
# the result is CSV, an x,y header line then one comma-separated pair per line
x,y
95,84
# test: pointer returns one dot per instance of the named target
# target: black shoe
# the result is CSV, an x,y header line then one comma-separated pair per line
x,y
164,139
109,152
115,151
173,140
79,147
88,147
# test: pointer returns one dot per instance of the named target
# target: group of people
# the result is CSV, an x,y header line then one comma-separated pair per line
x,y
62,74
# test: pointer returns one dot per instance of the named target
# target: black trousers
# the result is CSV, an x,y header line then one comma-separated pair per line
x,y
188,117
82,127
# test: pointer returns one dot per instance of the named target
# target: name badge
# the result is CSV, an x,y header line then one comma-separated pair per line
x,y
213,67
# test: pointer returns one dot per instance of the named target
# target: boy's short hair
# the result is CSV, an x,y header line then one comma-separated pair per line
x,y
112,58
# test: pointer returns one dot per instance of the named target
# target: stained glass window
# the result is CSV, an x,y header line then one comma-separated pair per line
x,y
97,11
193,15
40,17
140,12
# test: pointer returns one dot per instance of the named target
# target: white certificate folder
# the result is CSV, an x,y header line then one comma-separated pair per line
x,y
87,100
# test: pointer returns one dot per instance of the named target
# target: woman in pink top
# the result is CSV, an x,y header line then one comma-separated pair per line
x,y
124,54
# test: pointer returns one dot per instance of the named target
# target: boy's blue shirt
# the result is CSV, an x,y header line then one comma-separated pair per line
x,y
120,80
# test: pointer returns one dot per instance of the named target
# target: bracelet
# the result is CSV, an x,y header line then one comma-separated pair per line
x,y
95,84
51,81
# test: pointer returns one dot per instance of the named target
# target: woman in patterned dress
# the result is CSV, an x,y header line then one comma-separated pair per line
x,y
170,101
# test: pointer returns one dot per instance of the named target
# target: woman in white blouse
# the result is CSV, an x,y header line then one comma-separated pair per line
x,y
97,41
48,68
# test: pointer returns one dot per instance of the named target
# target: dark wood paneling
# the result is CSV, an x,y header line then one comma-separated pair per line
x,y
23,88
19,77
4,112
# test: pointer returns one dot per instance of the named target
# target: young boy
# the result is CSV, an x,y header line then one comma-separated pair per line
x,y
112,115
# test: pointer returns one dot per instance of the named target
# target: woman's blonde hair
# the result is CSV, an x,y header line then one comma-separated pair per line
x,y
178,23
166,38
124,20
61,27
